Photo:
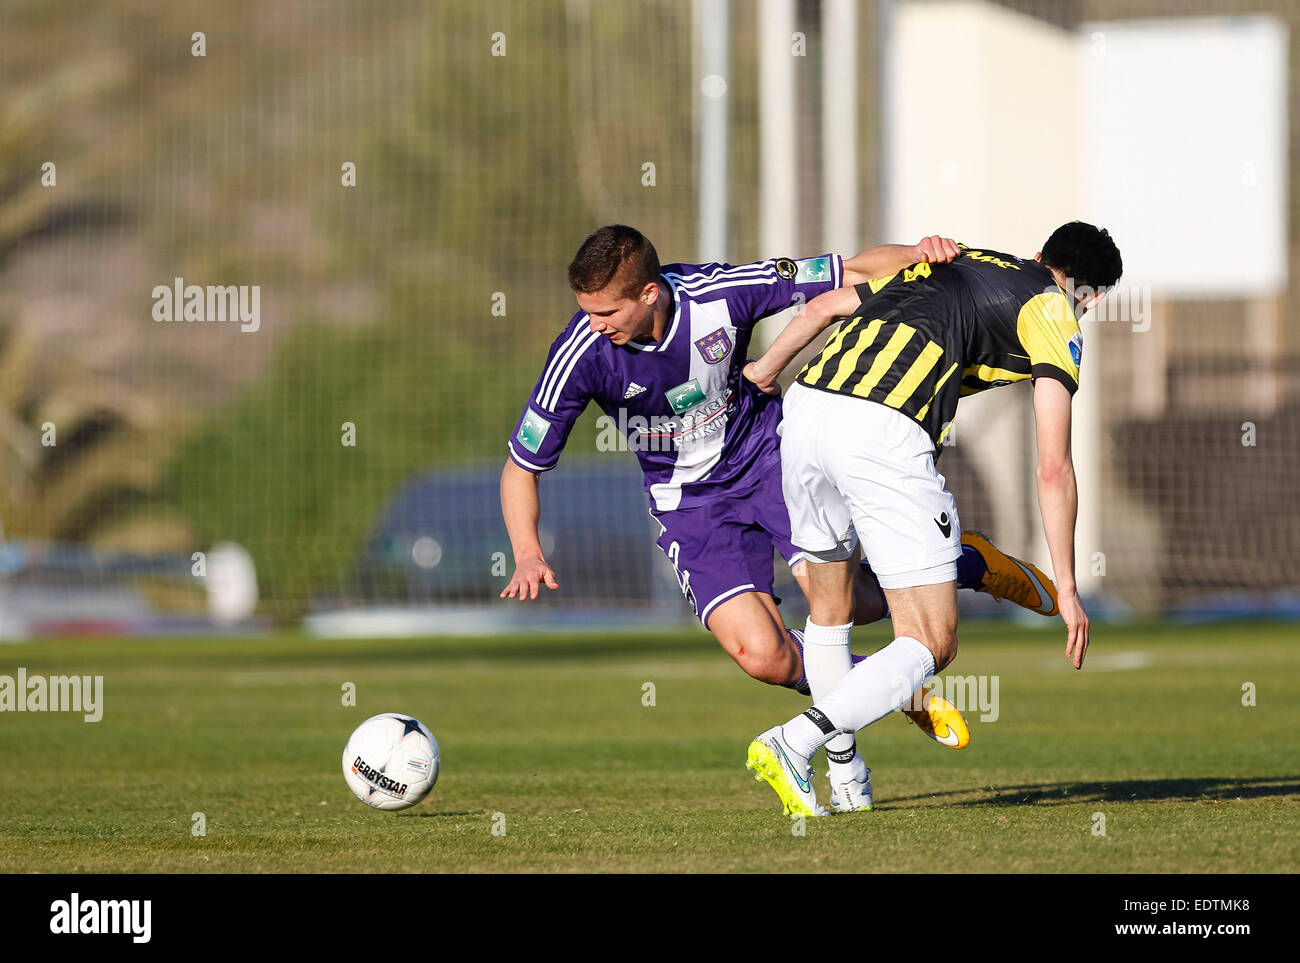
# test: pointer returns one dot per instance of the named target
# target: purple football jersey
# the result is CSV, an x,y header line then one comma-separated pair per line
x,y
696,425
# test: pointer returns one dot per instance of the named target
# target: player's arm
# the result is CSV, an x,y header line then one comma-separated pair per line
x,y
816,316
872,267
759,290
559,397
521,506
886,260
1058,503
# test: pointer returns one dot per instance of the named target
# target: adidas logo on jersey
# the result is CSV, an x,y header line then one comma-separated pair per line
x,y
633,389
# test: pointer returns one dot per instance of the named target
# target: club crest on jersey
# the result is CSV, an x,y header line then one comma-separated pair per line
x,y
685,396
714,347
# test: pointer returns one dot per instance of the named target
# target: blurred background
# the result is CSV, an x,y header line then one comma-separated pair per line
x,y
391,192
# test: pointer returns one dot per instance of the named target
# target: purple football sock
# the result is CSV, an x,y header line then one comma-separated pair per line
x,y
801,686
884,602
971,569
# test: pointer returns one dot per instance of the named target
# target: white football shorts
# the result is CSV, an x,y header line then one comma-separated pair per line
x,y
855,471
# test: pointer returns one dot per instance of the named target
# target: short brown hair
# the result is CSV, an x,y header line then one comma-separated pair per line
x,y
609,250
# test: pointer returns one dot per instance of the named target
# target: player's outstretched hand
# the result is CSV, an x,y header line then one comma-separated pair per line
x,y
529,577
751,374
937,250
1076,624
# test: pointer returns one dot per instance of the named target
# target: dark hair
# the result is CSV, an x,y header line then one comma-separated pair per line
x,y
1084,253
608,250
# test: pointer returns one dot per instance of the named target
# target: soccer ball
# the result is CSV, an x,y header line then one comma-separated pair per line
x,y
391,761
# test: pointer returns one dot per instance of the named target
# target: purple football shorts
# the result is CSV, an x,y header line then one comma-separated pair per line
x,y
723,547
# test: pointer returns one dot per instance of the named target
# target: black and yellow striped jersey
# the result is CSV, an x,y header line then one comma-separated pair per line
x,y
932,333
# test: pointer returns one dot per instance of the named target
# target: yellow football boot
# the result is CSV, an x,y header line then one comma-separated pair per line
x,y
939,719
1011,579
787,772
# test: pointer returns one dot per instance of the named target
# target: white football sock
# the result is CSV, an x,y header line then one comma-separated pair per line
x,y
874,688
826,661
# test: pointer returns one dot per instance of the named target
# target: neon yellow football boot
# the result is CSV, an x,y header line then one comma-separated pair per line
x,y
770,759
1011,579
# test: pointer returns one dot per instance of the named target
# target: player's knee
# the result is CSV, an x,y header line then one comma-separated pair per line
x,y
774,667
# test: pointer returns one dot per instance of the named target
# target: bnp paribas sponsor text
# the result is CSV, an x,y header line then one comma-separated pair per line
x,y
628,432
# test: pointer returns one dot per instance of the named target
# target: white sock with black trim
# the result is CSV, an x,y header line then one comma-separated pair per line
x,y
875,687
826,661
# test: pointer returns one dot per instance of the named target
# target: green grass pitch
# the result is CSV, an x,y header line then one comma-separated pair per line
x,y
553,735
